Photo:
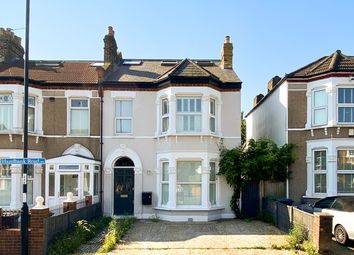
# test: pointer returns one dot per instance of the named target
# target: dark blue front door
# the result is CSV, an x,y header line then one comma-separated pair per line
x,y
124,191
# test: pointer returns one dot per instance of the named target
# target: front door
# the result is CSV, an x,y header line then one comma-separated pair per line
x,y
124,191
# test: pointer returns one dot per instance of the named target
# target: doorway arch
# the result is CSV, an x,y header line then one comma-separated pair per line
x,y
124,186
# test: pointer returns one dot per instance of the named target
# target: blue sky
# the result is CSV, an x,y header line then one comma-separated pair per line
x,y
271,37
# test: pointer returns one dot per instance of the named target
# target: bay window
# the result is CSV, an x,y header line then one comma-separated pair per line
x,y
124,116
164,184
345,105
345,171
165,115
319,107
6,106
189,114
189,182
30,176
31,113
79,116
5,185
320,171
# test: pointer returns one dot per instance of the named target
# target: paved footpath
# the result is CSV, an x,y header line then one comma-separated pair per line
x,y
220,237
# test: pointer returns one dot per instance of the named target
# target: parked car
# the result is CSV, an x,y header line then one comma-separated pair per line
x,y
342,209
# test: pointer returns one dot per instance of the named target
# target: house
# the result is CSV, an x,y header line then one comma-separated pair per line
x,y
64,120
312,108
150,127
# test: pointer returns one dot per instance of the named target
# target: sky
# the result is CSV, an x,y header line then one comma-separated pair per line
x,y
270,37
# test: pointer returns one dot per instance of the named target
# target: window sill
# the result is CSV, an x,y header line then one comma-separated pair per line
x,y
197,208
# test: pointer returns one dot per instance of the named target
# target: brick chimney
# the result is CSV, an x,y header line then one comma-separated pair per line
x,y
257,99
274,81
10,46
226,54
110,48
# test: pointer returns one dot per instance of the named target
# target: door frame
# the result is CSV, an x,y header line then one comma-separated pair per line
x,y
117,168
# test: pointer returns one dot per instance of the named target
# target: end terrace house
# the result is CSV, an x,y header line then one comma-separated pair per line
x,y
151,128
313,108
64,126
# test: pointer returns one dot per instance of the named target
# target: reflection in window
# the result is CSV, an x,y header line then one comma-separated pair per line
x,y
320,174
345,171
68,183
189,183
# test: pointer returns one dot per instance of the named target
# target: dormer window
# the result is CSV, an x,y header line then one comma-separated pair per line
x,y
319,107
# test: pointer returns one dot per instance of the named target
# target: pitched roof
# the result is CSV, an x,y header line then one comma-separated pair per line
x,y
54,71
336,62
149,70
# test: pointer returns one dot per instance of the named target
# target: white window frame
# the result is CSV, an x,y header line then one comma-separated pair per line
x,y
7,178
96,172
344,171
314,108
86,171
319,172
165,115
11,102
183,112
213,182
344,105
79,108
200,183
78,183
165,182
123,118
212,115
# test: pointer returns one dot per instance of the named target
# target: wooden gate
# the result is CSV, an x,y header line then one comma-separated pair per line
x,y
250,200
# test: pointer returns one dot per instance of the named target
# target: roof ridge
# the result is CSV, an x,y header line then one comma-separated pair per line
x,y
319,64
335,58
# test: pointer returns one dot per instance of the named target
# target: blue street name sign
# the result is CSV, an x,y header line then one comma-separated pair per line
x,y
22,161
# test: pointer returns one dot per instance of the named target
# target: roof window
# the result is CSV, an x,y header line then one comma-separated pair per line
x,y
132,62
169,62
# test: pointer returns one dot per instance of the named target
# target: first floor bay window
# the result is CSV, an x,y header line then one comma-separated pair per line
x,y
345,171
79,116
5,112
5,185
320,174
189,114
189,182
345,105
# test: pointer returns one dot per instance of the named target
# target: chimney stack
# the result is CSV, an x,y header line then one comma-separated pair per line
x,y
10,46
110,48
226,54
274,81
257,99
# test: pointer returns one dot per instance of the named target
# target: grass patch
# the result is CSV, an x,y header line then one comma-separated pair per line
x,y
68,242
116,231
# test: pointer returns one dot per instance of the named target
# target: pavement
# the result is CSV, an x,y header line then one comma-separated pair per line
x,y
218,237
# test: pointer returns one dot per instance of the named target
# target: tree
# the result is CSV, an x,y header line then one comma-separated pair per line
x,y
260,160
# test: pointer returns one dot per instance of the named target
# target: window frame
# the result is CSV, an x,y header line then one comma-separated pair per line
x,y
199,183
79,108
314,108
343,105
344,171
11,111
165,182
189,113
212,115
213,182
78,184
7,178
319,171
123,118
165,115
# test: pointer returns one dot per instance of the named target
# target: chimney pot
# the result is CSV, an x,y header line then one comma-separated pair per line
x,y
226,54
257,99
227,39
110,31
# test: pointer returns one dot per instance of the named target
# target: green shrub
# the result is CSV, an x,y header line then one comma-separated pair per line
x,y
69,242
298,234
116,230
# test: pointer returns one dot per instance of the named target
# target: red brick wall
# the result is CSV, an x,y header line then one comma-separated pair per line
x,y
10,243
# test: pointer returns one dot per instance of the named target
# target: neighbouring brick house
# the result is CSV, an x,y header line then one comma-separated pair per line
x,y
313,108
161,123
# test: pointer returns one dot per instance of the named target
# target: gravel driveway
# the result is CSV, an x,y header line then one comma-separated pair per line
x,y
219,237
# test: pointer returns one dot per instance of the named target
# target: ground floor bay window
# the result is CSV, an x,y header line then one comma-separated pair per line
x,y
330,168
189,183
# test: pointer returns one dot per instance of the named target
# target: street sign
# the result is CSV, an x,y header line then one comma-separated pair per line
x,y
22,161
